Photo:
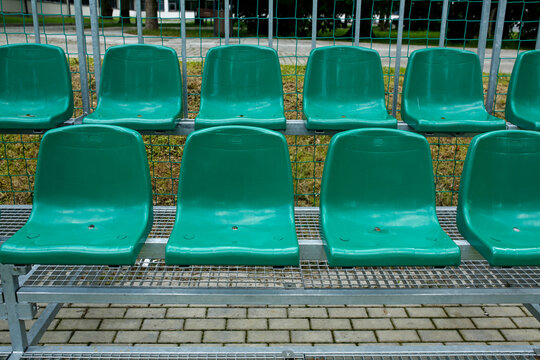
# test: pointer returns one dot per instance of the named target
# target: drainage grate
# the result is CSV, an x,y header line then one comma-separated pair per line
x,y
156,356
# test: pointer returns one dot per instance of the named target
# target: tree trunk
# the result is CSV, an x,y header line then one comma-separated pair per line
x,y
106,9
124,11
151,15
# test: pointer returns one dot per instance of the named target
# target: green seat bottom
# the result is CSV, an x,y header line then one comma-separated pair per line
x,y
456,121
114,242
504,242
367,244
37,117
151,117
196,243
347,120
267,121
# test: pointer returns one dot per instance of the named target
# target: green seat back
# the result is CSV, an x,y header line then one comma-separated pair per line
x,y
442,91
35,87
241,85
92,199
344,89
499,197
141,88
378,202
235,200
523,99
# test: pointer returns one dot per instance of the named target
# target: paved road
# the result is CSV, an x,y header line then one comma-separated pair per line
x,y
291,51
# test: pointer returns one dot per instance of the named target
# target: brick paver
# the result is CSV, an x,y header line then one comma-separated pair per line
x,y
282,325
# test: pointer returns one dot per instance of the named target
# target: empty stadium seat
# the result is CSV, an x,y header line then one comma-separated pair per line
x,y
141,88
344,89
523,99
442,92
499,197
241,85
378,202
235,200
92,200
35,87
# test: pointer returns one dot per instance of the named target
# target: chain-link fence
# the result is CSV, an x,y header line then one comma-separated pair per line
x,y
497,30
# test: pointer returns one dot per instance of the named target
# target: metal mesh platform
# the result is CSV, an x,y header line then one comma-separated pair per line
x,y
306,218
310,275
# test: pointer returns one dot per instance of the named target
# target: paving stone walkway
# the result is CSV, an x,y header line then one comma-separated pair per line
x,y
160,325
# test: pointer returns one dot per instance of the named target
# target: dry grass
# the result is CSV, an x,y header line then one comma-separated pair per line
x,y
19,152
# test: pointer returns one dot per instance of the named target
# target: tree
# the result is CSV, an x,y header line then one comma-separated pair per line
x,y
106,9
124,11
151,15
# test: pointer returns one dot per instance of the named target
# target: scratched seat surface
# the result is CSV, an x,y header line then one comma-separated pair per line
x,y
92,199
344,89
499,197
35,87
378,202
442,92
235,200
241,85
141,88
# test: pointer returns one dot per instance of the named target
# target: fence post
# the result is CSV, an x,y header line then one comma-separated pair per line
x,y
35,21
226,4
398,56
94,24
138,10
482,36
184,56
495,57
357,14
271,23
444,21
538,37
81,47
314,25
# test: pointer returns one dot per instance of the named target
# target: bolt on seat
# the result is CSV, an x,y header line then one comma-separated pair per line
x,y
443,92
241,85
499,197
92,200
235,200
523,99
141,88
344,89
35,87
378,202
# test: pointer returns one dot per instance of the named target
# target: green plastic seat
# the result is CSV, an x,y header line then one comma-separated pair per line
x,y
35,87
92,200
141,88
499,197
378,202
344,89
241,85
523,99
442,92
235,200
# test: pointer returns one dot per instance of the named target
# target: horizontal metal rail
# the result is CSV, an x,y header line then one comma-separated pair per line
x,y
294,127
338,352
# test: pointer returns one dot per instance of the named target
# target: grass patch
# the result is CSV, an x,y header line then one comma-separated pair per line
x,y
18,153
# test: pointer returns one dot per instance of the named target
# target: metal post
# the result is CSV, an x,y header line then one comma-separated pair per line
x,y
444,21
398,56
314,25
226,4
184,56
271,23
357,23
35,20
482,36
81,47
538,37
17,330
139,21
495,56
94,25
